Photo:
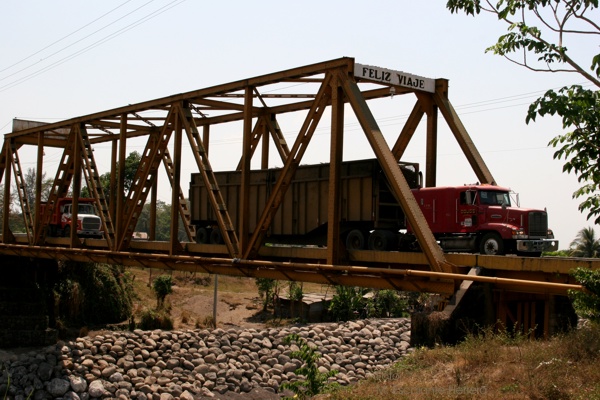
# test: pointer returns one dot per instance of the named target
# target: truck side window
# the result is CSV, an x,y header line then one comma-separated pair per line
x,y
463,198
467,197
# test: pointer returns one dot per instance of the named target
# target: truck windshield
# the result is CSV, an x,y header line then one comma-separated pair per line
x,y
495,198
86,209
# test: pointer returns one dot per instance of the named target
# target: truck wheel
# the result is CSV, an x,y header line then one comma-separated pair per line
x,y
216,237
202,235
355,240
491,244
381,240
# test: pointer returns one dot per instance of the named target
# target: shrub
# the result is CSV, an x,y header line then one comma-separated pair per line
x,y
93,293
587,304
155,319
266,290
162,286
315,382
348,303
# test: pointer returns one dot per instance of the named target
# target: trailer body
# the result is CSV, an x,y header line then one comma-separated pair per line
x,y
366,203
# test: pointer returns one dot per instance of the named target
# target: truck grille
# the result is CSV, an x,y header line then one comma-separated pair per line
x,y
91,223
538,224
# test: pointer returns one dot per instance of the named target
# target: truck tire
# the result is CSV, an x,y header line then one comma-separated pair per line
x,y
355,240
202,235
491,244
216,237
381,240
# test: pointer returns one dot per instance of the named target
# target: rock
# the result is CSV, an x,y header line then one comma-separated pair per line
x,y
96,389
78,384
58,387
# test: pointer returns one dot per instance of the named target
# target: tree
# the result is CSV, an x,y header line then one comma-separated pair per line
x,y
585,244
162,286
587,303
543,48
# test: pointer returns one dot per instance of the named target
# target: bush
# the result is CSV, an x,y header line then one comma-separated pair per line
x,y
162,286
155,319
587,304
348,303
93,293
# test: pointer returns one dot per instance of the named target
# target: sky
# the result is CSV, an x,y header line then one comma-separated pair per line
x,y
63,59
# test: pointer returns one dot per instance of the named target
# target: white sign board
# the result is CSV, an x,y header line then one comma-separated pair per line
x,y
391,77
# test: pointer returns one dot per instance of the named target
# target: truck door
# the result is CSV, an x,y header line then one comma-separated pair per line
x,y
467,211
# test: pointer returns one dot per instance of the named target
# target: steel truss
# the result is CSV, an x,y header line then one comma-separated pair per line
x,y
189,116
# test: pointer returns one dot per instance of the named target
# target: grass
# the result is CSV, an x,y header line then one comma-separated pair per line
x,y
492,365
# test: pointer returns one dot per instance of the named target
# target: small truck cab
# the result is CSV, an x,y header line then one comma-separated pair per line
x,y
88,222
483,218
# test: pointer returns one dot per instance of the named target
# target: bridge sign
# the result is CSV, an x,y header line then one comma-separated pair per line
x,y
392,77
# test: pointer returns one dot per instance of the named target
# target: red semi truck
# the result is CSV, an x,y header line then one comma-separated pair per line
x,y
88,223
483,218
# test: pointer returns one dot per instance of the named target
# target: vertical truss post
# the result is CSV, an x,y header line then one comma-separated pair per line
x,y
38,183
120,197
291,164
460,133
336,156
153,203
183,206
432,144
112,195
175,246
264,160
7,235
247,152
73,239
398,183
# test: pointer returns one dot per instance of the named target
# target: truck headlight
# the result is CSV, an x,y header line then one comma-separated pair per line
x,y
550,234
518,234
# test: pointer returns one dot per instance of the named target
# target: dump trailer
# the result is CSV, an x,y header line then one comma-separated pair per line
x,y
370,215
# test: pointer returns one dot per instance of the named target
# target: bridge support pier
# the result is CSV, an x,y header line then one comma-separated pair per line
x,y
480,307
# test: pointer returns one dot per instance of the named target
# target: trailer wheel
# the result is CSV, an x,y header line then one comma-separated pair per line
x,y
355,240
202,235
381,240
216,237
491,244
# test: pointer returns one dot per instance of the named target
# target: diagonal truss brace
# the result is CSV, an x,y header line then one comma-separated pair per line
x,y
398,183
214,194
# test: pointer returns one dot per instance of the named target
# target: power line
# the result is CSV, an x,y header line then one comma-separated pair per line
x,y
105,39
64,37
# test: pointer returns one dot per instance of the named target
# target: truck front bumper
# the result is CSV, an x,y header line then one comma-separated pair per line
x,y
537,245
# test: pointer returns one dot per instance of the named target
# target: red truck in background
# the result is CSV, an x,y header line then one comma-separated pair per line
x,y
482,218
88,223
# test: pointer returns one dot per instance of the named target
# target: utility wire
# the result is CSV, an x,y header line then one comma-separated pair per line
x,y
62,38
107,38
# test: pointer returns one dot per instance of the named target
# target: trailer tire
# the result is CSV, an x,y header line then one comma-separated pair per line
x,y
216,237
202,235
381,240
355,240
491,244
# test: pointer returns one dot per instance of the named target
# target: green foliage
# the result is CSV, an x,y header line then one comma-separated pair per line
x,y
314,381
388,304
162,286
266,290
155,319
585,244
587,304
93,293
348,303
544,49
580,148
296,291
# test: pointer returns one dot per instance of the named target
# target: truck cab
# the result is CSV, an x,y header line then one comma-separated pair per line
x,y
483,218
88,223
